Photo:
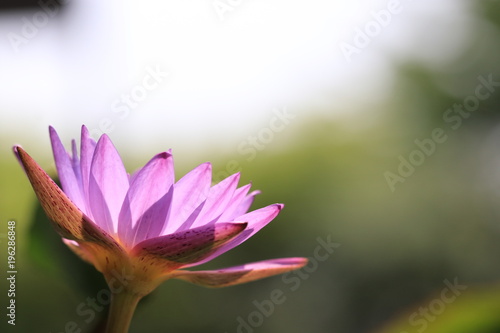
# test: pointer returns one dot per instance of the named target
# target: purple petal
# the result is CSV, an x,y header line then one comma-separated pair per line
x,y
148,200
70,182
87,148
188,246
256,220
218,199
232,210
108,185
241,274
259,218
244,206
189,192
75,162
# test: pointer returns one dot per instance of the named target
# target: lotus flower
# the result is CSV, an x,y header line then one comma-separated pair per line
x,y
142,229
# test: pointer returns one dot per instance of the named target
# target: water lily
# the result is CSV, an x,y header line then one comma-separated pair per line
x,y
143,228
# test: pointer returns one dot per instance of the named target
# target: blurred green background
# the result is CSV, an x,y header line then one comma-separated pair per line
x,y
410,221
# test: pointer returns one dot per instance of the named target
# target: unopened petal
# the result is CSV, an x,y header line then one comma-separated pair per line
x,y
108,185
245,204
232,209
87,148
148,200
240,274
70,181
189,192
217,200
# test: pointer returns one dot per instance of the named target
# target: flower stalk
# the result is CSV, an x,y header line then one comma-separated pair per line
x,y
121,311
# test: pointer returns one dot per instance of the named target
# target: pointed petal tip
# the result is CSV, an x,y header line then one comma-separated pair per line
x,y
53,135
245,187
104,137
15,150
52,131
207,165
86,137
164,154
231,179
56,143
19,151
84,132
254,193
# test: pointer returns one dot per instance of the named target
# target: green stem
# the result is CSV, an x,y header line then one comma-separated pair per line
x,y
122,309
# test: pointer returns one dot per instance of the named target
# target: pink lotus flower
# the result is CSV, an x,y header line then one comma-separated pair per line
x,y
146,224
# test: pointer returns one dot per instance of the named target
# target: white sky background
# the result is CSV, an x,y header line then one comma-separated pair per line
x,y
225,75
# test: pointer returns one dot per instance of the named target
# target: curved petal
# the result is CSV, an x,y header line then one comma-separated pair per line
x,y
189,192
75,164
184,247
256,220
148,200
240,274
259,218
217,200
108,185
232,210
66,166
87,148
244,206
